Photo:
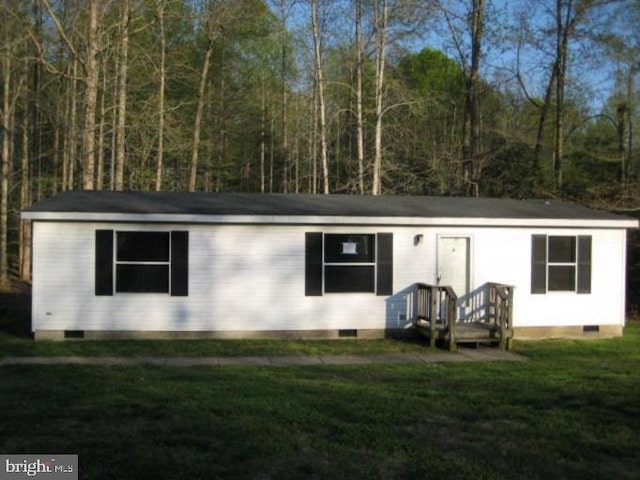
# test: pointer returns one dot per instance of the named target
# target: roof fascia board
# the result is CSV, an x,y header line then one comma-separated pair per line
x,y
326,220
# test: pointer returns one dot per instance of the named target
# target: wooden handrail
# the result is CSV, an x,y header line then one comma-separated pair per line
x,y
436,304
501,304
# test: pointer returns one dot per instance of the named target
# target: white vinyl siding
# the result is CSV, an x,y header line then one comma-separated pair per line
x,y
251,277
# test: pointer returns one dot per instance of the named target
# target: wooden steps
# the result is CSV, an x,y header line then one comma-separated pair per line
x,y
493,325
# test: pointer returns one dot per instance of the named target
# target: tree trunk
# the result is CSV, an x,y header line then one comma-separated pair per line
x,y
36,106
320,89
198,118
621,125
122,97
314,142
558,144
382,20
359,113
4,177
542,122
161,94
71,133
114,122
630,113
55,158
471,130
24,254
263,126
101,133
91,92
285,95
272,154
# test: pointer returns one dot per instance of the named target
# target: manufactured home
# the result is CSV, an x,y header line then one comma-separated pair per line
x,y
234,265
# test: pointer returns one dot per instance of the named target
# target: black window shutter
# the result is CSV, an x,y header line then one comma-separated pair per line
x,y
385,264
584,264
179,264
313,264
539,264
104,262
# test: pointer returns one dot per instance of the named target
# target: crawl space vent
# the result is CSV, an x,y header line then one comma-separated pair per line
x,y
74,334
347,333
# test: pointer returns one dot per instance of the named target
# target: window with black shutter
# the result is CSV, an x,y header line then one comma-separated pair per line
x,y
141,262
348,263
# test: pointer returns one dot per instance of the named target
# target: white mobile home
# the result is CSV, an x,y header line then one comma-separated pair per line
x,y
131,264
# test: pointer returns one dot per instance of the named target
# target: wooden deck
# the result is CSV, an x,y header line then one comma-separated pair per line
x,y
482,316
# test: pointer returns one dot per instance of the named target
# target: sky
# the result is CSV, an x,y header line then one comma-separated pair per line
x,y
588,73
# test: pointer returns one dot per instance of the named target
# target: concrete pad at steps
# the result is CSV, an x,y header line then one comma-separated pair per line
x,y
444,357
485,354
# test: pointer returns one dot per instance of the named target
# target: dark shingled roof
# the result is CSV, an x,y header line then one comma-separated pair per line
x,y
200,203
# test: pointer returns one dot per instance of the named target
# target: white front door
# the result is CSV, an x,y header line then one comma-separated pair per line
x,y
453,263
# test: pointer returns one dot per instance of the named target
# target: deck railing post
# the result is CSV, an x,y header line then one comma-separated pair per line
x,y
505,315
500,311
433,315
451,320
509,319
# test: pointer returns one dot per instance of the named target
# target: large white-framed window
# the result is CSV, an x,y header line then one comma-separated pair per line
x,y
561,263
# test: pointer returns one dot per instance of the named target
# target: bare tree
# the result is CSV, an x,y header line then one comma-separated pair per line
x,y
358,92
24,243
471,132
473,21
214,24
70,134
160,6
198,118
91,96
123,65
8,105
381,24
284,79
90,69
319,82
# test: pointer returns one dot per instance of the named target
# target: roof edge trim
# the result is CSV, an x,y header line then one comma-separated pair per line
x,y
324,220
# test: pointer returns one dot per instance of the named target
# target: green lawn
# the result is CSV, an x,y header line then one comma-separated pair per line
x,y
20,347
572,411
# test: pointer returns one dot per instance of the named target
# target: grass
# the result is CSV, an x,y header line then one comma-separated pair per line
x,y
21,347
572,411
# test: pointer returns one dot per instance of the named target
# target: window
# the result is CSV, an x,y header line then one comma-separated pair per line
x,y
141,262
348,263
561,264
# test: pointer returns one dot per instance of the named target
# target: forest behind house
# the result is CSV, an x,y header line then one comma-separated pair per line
x,y
519,99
